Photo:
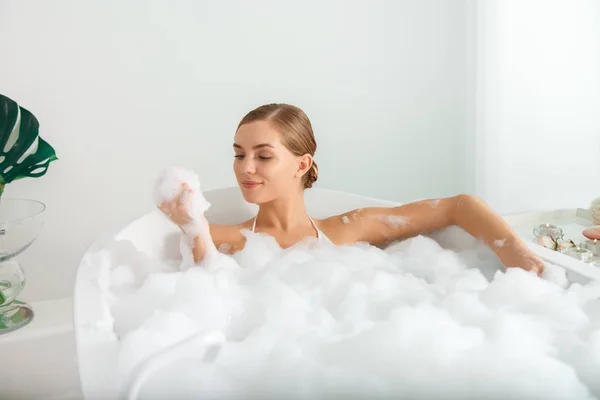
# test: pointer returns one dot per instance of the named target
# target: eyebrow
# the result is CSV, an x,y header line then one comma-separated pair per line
x,y
258,146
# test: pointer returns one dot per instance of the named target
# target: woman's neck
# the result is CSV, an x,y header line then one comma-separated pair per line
x,y
285,214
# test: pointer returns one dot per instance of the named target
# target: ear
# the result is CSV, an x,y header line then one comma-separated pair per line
x,y
304,164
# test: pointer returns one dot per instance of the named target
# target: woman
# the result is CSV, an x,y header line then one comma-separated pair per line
x,y
274,147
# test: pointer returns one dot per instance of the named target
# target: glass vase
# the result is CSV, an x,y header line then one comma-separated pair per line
x,y
21,221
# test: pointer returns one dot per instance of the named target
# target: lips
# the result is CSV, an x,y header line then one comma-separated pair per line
x,y
250,184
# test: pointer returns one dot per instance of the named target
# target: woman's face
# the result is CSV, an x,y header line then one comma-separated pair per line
x,y
264,168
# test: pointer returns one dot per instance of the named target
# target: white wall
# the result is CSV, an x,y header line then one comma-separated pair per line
x,y
538,103
125,88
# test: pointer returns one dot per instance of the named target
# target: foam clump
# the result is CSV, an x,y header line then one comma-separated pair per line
x,y
170,183
422,318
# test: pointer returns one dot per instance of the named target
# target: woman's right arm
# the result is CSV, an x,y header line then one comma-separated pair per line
x,y
205,238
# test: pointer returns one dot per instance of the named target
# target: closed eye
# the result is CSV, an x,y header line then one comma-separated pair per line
x,y
241,157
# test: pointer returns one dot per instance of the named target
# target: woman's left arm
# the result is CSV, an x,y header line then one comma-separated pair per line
x,y
379,225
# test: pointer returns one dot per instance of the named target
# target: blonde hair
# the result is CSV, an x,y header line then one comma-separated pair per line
x,y
295,130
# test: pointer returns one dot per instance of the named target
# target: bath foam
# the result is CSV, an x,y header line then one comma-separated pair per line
x,y
393,221
170,183
434,203
499,243
422,318
225,248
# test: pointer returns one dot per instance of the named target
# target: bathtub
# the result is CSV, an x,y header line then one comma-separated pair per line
x,y
96,345
153,234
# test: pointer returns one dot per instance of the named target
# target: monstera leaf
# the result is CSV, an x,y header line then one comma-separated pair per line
x,y
23,153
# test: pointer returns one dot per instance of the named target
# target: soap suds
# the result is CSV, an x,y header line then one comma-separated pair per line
x,y
499,243
394,221
434,202
334,320
225,248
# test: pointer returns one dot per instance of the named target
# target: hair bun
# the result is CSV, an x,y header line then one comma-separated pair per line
x,y
311,176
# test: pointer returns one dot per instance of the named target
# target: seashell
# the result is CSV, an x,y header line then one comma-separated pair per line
x,y
565,244
547,242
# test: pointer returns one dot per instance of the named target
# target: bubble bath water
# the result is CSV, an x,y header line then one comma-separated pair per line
x,y
429,317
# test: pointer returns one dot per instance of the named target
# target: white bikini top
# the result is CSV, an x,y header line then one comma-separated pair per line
x,y
320,235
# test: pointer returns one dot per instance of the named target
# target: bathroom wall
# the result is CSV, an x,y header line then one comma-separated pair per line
x,y
537,103
123,89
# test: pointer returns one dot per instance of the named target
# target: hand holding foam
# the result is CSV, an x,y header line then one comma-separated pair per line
x,y
178,195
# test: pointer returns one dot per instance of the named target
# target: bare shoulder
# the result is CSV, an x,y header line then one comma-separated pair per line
x,y
229,238
343,228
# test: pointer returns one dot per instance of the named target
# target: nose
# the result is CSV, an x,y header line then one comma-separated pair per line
x,y
249,166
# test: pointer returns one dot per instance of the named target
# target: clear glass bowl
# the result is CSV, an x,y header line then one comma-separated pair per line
x,y
21,221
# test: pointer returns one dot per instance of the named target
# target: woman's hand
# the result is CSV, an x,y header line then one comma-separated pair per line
x,y
477,218
178,210
517,254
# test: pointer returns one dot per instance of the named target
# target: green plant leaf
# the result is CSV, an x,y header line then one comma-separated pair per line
x,y
23,153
